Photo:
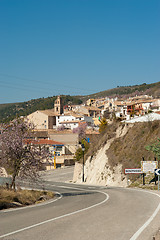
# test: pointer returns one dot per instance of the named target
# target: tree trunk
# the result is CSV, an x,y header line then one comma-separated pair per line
x,y
13,185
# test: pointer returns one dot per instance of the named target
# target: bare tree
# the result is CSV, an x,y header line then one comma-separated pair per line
x,y
20,156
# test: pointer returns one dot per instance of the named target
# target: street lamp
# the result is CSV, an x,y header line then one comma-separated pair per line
x,y
83,149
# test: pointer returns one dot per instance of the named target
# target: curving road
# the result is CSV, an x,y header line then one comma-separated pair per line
x,y
84,212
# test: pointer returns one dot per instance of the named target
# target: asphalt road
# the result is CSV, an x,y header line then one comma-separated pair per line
x,y
84,212
59,174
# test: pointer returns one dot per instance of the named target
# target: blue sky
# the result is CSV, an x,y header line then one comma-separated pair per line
x,y
76,47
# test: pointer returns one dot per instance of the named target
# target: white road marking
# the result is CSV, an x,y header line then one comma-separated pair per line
x,y
56,218
145,225
52,185
72,188
134,237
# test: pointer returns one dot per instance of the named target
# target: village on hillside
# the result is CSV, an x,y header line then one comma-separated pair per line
x,y
59,128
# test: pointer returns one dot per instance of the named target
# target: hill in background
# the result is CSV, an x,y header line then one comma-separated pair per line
x,y
10,111
129,91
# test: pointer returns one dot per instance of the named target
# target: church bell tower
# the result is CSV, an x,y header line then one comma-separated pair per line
x,y
58,106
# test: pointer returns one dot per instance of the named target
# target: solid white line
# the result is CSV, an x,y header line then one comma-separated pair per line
x,y
145,225
52,185
73,188
56,218
40,204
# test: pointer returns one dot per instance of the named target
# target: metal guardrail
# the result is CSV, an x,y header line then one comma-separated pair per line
x,y
4,180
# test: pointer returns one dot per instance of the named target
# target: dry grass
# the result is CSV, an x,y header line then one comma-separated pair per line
x,y
100,140
130,149
10,198
139,183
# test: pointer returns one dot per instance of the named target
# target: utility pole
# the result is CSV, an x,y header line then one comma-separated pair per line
x,y
143,174
83,149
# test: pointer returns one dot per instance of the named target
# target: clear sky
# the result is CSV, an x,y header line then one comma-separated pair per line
x,y
51,47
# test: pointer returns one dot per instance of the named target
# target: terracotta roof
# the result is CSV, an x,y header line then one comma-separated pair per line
x,y
73,121
92,108
145,100
121,103
49,112
133,102
42,142
71,113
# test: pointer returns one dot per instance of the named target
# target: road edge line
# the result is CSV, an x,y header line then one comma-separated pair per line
x,y
57,218
146,224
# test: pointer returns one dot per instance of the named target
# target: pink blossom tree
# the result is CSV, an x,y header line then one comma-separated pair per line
x,y
20,157
81,130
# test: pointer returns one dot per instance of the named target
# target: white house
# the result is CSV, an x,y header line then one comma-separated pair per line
x,y
155,106
72,121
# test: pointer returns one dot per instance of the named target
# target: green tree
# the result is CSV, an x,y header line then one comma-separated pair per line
x,y
79,153
155,148
103,125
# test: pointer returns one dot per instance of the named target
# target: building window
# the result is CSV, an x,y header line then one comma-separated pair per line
x,y
59,148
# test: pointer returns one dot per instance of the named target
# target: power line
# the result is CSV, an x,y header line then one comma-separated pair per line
x,y
18,87
46,82
33,89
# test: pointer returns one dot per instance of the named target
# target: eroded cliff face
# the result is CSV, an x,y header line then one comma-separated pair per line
x,y
3,172
97,170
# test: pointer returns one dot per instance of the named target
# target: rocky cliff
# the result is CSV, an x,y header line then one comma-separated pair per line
x,y
97,168
123,149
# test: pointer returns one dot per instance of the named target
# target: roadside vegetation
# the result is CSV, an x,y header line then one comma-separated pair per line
x,y
21,198
140,141
130,149
149,182
97,141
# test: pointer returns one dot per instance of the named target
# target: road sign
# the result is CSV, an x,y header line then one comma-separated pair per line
x,y
132,171
157,171
148,166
